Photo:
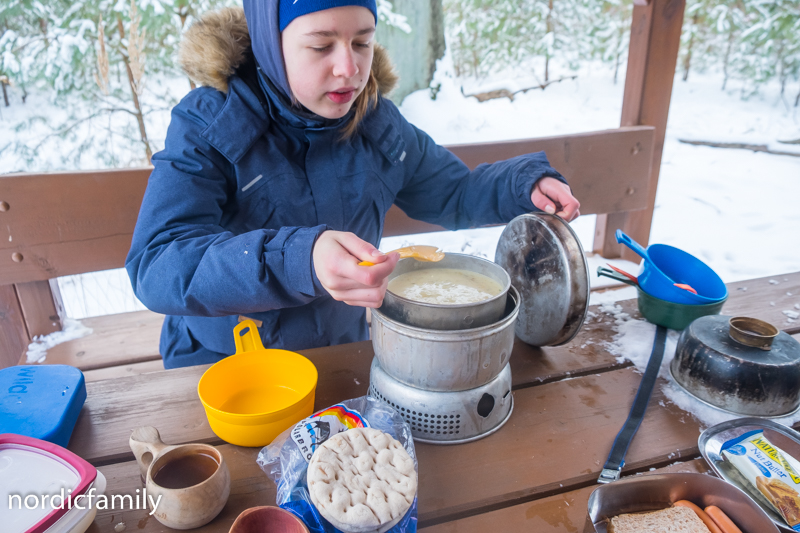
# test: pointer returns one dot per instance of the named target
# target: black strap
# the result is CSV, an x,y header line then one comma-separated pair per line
x,y
616,459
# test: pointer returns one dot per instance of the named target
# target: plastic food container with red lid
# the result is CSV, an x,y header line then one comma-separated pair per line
x,y
34,475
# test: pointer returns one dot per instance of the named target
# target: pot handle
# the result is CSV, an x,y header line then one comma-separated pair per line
x,y
607,272
246,337
146,444
622,238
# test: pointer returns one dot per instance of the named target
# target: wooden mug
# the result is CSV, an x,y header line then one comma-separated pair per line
x,y
181,506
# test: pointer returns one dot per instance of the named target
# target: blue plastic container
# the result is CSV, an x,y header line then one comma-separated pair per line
x,y
664,265
41,401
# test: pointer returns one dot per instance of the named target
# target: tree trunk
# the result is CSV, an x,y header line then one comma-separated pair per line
x,y
726,59
549,30
797,99
5,93
136,104
183,13
687,61
619,52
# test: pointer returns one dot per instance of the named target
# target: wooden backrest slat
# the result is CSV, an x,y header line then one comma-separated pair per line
x,y
66,223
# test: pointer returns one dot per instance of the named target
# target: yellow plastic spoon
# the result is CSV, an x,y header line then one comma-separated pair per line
x,y
418,252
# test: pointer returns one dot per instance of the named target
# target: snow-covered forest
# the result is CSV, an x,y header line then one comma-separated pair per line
x,y
103,73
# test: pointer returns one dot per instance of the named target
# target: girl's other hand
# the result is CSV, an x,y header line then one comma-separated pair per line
x,y
336,256
553,196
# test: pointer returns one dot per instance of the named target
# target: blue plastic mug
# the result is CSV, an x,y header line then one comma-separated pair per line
x,y
664,266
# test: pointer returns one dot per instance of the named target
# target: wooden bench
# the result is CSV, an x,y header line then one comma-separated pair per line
x,y
60,224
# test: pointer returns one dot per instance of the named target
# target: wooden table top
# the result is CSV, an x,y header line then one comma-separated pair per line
x,y
535,473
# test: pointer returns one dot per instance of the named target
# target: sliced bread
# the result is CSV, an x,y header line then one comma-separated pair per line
x,y
669,520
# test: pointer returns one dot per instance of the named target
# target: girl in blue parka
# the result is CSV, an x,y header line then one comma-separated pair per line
x,y
277,175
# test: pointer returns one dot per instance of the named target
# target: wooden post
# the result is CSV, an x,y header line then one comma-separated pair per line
x,y
13,333
41,306
652,58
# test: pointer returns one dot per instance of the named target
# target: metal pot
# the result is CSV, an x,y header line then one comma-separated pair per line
x,y
437,360
738,364
448,317
545,260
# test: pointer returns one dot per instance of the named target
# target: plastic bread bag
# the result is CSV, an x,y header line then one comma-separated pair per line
x,y
772,475
286,459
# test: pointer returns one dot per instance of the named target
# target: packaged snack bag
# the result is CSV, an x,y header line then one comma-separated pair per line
x,y
770,472
286,459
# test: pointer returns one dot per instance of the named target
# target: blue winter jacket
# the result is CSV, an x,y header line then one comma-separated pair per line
x,y
242,190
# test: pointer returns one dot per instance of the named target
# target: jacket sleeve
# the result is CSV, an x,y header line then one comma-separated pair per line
x,y
183,262
439,188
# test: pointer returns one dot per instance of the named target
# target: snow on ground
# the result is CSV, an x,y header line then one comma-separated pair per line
x,y
71,329
735,209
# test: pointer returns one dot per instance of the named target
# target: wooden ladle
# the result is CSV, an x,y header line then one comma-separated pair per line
x,y
419,252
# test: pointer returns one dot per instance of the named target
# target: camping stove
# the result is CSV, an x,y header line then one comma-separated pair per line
x,y
451,380
438,417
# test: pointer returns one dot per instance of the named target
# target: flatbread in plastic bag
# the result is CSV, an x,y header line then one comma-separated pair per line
x,y
286,459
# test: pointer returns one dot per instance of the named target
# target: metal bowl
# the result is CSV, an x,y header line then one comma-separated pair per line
x,y
659,491
437,360
448,317
713,438
738,364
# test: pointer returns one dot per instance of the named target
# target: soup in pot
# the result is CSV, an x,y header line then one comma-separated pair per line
x,y
445,286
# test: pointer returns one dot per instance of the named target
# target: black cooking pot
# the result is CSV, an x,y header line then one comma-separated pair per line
x,y
738,364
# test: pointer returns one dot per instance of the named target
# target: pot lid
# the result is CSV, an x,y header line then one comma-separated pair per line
x,y
747,340
545,261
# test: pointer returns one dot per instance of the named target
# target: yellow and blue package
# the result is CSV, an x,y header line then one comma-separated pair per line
x,y
772,475
286,459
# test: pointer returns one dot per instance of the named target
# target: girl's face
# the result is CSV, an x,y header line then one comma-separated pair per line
x,y
328,55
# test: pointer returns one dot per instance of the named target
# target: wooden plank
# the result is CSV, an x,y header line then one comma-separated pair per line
x,y
655,36
41,306
169,401
121,339
556,441
68,223
116,406
562,513
763,298
114,372
575,419
251,487
71,223
14,337
607,170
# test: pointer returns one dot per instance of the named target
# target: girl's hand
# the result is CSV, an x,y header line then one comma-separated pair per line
x,y
336,255
553,196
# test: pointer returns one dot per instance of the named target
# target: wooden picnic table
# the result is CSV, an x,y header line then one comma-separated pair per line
x,y
535,474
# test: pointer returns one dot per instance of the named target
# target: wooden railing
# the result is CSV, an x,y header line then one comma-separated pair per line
x,y
58,224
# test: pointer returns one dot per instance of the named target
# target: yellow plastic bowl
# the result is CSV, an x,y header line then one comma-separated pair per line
x,y
257,393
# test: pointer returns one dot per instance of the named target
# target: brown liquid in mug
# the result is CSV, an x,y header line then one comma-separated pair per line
x,y
186,471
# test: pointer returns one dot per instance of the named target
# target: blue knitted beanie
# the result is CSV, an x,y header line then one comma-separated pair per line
x,y
291,9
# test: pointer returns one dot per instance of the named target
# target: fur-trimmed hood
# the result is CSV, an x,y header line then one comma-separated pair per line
x,y
218,43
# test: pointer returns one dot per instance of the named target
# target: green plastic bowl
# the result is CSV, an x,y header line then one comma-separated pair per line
x,y
663,313
672,315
